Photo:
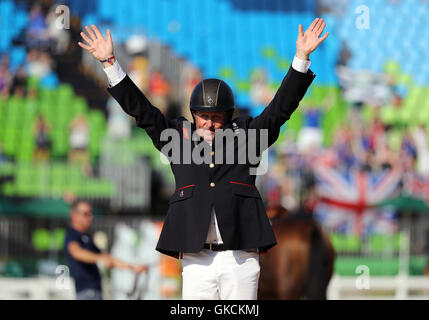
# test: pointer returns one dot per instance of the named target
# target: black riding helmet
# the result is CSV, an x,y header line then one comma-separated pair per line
x,y
212,95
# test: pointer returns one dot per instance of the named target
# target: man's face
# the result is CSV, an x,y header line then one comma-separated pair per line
x,y
83,215
208,122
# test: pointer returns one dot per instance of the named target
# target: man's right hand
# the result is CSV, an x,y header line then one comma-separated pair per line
x,y
107,260
101,48
139,268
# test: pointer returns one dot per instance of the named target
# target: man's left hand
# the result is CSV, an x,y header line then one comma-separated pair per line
x,y
309,40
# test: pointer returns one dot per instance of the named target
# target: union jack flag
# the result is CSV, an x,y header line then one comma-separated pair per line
x,y
347,199
416,185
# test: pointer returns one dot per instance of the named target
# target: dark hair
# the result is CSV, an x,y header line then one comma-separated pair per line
x,y
75,204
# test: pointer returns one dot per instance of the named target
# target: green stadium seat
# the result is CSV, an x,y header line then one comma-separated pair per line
x,y
8,189
295,122
345,243
33,83
25,153
41,239
106,189
407,115
58,179
79,106
10,142
60,144
388,115
47,96
7,168
57,238
65,92
394,139
15,105
30,108
392,68
383,243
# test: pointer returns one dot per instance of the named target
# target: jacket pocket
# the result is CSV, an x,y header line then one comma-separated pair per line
x,y
182,193
246,190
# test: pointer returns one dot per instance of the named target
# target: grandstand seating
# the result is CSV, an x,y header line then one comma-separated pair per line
x,y
53,180
263,35
58,106
259,40
203,35
375,244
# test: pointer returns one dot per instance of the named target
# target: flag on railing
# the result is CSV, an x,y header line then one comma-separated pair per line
x,y
347,199
417,186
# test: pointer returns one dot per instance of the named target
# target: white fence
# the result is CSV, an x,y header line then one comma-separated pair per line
x,y
340,288
40,288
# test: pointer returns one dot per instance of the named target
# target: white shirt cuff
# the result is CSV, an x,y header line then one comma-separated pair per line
x,y
115,74
301,65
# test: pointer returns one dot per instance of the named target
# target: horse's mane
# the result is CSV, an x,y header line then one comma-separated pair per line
x,y
281,216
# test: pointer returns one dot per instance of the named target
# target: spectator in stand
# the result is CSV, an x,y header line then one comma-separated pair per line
x,y
79,140
191,76
19,83
408,154
310,137
5,77
159,90
43,141
118,123
37,36
419,136
260,91
2,156
343,148
377,131
39,64
138,71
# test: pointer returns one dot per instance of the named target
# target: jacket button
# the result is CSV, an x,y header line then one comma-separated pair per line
x,y
212,153
211,165
212,184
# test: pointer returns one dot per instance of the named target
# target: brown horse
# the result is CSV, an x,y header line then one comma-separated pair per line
x,y
301,264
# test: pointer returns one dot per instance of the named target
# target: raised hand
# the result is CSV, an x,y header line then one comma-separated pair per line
x,y
309,40
101,48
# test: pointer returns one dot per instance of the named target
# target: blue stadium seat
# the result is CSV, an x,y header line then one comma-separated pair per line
x,y
217,34
17,57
